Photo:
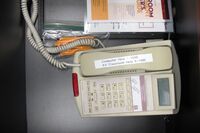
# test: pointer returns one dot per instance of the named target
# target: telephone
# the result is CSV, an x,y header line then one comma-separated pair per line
x,y
138,79
129,80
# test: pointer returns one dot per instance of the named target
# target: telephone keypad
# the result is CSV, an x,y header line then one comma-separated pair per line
x,y
109,96
123,94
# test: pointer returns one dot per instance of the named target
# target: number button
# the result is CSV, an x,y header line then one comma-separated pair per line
x,y
121,103
95,97
108,88
102,96
88,88
114,86
121,95
94,84
120,86
90,110
103,105
90,107
108,95
96,108
115,104
90,97
115,95
109,104
102,87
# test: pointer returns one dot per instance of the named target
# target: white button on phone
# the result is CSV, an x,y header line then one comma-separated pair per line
x,y
108,88
102,96
102,87
108,95
115,95
114,86
109,104
115,104
103,105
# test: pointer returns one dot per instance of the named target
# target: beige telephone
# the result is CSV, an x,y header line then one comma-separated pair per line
x,y
129,80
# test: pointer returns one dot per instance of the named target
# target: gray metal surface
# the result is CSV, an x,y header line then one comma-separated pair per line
x,y
50,103
63,10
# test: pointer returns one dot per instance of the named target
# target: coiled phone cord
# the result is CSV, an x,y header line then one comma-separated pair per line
x,y
83,41
36,41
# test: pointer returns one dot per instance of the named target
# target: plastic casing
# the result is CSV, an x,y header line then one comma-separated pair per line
x,y
175,70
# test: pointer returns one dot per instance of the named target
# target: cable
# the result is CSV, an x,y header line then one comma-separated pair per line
x,y
36,41
83,41
33,18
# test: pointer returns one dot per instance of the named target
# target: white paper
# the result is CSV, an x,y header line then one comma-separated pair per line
x,y
124,60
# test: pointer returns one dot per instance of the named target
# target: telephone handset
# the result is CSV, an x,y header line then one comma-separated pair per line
x,y
147,59
138,79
